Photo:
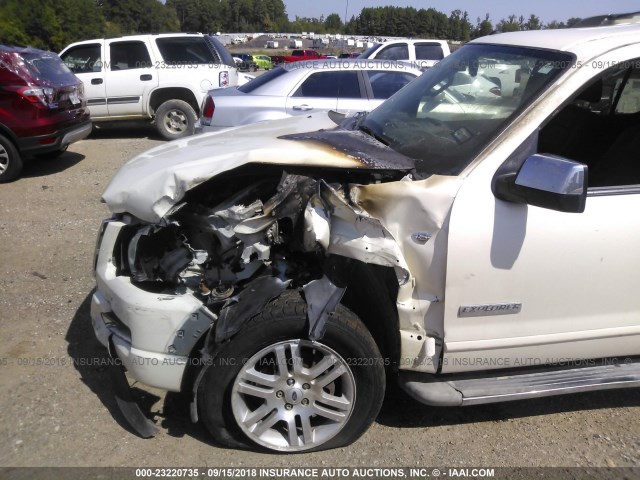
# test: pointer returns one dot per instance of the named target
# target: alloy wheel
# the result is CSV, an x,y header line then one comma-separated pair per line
x,y
293,395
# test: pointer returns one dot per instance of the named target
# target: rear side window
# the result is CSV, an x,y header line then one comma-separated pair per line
x,y
129,55
83,58
429,51
262,80
384,83
366,54
184,51
330,85
49,68
394,52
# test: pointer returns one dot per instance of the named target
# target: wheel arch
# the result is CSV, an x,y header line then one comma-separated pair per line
x,y
283,321
194,363
161,95
371,294
7,132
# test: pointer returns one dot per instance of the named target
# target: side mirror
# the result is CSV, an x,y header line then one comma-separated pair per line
x,y
546,181
336,117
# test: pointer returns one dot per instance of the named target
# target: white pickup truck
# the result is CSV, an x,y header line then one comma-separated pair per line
x,y
160,77
426,53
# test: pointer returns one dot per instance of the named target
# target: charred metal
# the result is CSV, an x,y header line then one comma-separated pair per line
x,y
364,148
237,244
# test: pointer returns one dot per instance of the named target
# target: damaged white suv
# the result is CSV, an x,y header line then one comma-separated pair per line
x,y
473,248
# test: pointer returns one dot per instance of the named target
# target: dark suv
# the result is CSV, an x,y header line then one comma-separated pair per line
x,y
42,107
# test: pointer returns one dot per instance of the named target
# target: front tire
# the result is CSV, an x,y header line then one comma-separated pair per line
x,y
272,387
175,119
10,161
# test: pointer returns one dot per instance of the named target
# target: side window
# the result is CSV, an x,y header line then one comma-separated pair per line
x,y
429,51
629,101
83,58
185,50
330,85
385,83
601,127
394,52
129,55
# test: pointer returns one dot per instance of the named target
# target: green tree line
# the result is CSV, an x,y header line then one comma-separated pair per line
x,y
430,23
420,23
230,15
53,24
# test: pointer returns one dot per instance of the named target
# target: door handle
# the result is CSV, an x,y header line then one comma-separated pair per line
x,y
145,77
303,108
96,81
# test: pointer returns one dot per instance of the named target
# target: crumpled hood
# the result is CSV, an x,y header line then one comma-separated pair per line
x,y
149,185
154,181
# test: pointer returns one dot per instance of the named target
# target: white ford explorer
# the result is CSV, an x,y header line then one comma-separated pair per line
x,y
472,248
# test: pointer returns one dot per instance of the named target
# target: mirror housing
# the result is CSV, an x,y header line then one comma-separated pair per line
x,y
546,181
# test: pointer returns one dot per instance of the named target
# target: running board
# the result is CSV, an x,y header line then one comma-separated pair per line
x,y
456,390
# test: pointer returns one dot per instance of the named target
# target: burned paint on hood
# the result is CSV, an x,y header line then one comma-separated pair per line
x,y
152,183
358,145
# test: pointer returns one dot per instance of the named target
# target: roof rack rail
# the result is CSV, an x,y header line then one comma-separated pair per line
x,y
607,20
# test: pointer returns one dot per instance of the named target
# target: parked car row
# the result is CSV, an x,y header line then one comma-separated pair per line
x,y
253,62
297,55
166,79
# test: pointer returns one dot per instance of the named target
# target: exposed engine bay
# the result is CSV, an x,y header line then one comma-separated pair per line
x,y
291,231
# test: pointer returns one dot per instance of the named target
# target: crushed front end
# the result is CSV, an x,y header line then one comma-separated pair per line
x,y
218,257
180,271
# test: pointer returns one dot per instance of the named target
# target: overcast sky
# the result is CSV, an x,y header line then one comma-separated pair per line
x,y
547,10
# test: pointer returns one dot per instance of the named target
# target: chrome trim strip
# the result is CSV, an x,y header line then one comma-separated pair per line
x,y
616,190
498,387
121,100
497,344
618,374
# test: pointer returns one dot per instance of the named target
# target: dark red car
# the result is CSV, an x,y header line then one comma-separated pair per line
x,y
42,107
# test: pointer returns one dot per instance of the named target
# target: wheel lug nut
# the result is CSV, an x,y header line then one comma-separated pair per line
x,y
305,401
288,406
306,386
290,382
279,394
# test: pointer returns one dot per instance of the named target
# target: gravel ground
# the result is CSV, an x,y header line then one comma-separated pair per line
x,y
55,398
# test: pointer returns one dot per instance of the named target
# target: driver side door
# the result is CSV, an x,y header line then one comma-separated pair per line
x,y
531,286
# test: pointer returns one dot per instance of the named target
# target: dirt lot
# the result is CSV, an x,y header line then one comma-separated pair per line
x,y
55,398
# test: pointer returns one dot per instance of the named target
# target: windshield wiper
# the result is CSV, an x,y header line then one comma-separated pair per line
x,y
369,131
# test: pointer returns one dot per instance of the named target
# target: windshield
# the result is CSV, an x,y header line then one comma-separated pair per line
x,y
444,118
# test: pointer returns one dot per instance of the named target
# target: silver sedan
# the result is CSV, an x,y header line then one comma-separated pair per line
x,y
343,85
